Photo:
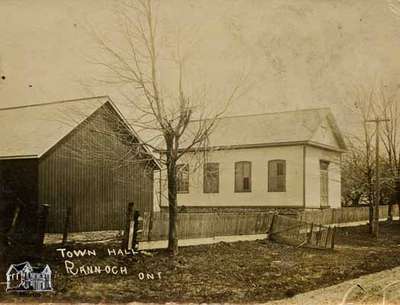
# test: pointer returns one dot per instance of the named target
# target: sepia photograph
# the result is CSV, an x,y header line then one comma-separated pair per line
x,y
200,152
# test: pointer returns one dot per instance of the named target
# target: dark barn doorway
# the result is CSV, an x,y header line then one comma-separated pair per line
x,y
18,202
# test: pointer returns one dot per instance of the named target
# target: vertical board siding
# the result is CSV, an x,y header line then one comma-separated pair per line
x,y
94,173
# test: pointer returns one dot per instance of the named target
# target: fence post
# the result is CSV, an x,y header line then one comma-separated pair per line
x,y
128,226
150,227
311,232
137,229
14,221
271,226
328,234
333,238
318,236
42,224
66,226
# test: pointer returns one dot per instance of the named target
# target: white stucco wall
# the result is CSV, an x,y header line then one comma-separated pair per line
x,y
259,196
313,156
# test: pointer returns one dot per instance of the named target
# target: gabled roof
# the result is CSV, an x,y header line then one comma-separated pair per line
x,y
42,269
19,267
274,129
32,130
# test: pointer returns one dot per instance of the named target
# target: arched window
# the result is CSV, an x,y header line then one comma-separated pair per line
x,y
243,176
277,176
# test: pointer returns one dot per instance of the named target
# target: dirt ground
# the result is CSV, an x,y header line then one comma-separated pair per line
x,y
251,271
376,288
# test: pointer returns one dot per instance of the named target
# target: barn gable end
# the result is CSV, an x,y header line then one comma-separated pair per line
x,y
76,155
95,171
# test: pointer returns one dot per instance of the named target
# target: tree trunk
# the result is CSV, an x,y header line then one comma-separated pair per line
x,y
390,212
370,217
398,210
370,205
173,208
397,195
355,201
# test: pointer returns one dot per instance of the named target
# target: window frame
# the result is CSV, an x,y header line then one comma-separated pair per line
x,y
276,176
242,189
324,181
179,177
206,187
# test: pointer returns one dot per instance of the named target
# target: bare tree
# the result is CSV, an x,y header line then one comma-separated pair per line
x,y
361,147
375,101
388,107
167,114
356,176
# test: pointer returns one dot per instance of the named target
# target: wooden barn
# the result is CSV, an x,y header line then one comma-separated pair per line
x,y
79,156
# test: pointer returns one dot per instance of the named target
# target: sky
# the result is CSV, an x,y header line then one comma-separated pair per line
x,y
296,53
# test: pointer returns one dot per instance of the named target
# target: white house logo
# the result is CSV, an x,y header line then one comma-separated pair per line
x,y
25,277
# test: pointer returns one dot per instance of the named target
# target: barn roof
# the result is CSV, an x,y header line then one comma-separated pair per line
x,y
274,129
30,131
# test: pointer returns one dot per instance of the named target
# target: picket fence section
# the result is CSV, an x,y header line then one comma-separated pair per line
x,y
292,231
343,215
212,224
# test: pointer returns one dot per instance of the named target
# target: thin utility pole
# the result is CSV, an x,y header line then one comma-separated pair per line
x,y
375,223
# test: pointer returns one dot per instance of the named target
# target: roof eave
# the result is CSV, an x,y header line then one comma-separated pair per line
x,y
87,116
337,132
129,126
262,145
107,100
13,157
327,147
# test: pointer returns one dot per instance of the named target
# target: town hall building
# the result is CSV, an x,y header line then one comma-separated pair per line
x,y
274,160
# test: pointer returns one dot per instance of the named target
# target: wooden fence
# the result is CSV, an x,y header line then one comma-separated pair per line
x,y
202,225
343,215
292,231
212,224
